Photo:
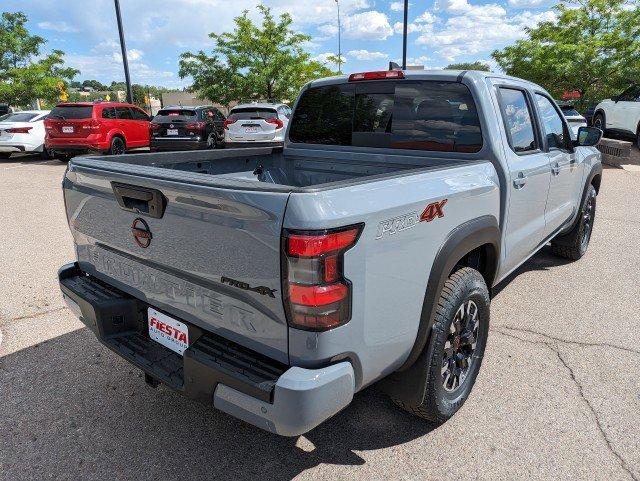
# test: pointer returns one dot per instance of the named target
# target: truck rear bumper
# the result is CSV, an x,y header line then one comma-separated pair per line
x,y
270,395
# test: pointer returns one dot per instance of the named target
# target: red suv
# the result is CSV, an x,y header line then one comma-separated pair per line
x,y
106,127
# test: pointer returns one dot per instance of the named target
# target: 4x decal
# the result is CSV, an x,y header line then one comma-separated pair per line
x,y
391,227
433,211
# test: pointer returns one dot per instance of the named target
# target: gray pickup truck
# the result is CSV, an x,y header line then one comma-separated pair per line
x,y
275,284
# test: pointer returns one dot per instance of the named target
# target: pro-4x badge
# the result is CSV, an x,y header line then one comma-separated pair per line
x,y
433,211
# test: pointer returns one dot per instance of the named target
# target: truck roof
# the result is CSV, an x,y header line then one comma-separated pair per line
x,y
442,75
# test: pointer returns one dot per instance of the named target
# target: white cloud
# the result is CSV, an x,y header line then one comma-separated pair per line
x,y
398,6
472,29
323,57
61,26
426,17
366,55
370,25
529,3
398,27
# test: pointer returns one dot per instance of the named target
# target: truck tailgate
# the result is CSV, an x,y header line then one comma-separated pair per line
x,y
213,257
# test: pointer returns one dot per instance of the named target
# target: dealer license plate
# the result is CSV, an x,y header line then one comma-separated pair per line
x,y
168,331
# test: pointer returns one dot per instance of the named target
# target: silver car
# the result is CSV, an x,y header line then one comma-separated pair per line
x,y
256,123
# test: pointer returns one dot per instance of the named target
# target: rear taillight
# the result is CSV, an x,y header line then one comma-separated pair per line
x,y
275,121
379,75
19,130
317,295
195,125
228,122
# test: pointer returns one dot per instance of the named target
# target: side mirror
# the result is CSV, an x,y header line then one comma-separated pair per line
x,y
588,137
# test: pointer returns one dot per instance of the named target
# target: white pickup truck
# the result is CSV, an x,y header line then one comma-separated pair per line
x,y
275,284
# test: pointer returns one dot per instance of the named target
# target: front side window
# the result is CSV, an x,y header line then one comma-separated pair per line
x,y
551,123
139,114
433,116
517,119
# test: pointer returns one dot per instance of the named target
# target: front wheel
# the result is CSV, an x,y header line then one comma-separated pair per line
x,y
598,121
573,245
456,346
5,155
212,141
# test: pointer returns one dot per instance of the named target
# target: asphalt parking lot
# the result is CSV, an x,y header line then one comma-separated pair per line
x,y
558,396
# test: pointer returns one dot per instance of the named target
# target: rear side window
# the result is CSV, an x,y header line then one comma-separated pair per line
x,y
124,113
108,113
71,112
433,116
252,113
516,114
324,116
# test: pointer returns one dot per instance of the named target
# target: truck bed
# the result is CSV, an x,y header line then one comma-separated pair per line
x,y
270,169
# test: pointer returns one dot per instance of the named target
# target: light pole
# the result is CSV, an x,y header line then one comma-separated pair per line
x,y
123,47
404,35
339,46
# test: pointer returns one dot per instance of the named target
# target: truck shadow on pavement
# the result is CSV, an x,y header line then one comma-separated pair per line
x,y
542,261
74,410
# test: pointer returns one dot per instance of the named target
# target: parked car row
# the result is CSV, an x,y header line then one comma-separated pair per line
x,y
114,128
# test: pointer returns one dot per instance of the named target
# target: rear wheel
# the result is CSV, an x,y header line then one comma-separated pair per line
x,y
638,137
573,245
456,346
5,155
118,147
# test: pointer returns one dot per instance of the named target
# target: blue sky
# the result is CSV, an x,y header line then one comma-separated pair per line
x,y
441,31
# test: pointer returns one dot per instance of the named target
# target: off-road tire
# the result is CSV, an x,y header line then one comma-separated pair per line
x,y
439,405
574,244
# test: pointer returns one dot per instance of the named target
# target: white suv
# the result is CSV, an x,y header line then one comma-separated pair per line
x,y
620,114
256,123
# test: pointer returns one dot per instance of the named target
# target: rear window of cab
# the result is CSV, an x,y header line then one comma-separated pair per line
x,y
423,115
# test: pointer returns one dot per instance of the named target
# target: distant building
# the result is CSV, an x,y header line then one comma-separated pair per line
x,y
188,98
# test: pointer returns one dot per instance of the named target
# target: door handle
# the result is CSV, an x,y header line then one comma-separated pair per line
x,y
555,169
519,181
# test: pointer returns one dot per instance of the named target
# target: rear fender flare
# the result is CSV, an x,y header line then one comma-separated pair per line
x,y
408,382
115,133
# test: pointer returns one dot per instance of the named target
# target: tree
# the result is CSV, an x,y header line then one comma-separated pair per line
x,y
25,73
593,46
254,61
95,85
477,65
